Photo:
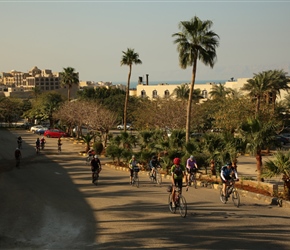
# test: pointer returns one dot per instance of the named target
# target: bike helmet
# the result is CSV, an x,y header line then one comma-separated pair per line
x,y
176,161
192,157
229,163
96,156
17,148
154,157
133,156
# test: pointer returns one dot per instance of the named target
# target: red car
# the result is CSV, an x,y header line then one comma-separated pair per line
x,y
55,133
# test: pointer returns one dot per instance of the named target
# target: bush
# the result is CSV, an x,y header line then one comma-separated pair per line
x,y
98,147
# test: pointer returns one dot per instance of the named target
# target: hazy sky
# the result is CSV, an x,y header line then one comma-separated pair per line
x,y
91,35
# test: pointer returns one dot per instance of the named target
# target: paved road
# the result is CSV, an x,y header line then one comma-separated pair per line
x,y
50,203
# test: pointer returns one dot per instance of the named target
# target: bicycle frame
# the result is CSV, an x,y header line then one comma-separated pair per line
x,y
231,191
179,201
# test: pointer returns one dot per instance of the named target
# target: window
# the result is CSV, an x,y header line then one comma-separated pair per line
x,y
154,94
166,93
143,93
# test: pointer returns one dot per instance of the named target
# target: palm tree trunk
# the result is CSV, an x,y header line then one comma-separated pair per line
x,y
259,164
68,93
257,106
189,104
127,98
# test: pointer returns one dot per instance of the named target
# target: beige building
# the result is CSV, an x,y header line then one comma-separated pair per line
x,y
167,90
16,83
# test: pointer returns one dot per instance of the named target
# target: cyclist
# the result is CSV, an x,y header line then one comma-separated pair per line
x,y
59,144
153,164
177,174
226,174
19,142
96,166
191,166
42,142
17,155
133,164
37,144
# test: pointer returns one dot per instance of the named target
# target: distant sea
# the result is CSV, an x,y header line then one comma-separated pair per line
x,y
134,84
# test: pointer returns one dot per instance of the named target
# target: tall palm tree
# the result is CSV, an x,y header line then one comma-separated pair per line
x,y
68,78
129,58
196,41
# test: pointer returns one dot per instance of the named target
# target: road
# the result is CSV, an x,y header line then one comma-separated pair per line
x,y
50,203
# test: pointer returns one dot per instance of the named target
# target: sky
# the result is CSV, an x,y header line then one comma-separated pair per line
x,y
90,36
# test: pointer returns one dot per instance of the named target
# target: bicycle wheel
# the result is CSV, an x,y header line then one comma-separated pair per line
x,y
182,206
171,209
222,197
136,181
151,177
17,163
158,178
193,179
88,160
236,198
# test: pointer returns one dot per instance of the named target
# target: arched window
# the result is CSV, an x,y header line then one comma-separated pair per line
x,y
154,94
204,94
143,93
166,93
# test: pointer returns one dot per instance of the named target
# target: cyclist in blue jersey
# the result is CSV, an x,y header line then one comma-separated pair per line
x,y
226,174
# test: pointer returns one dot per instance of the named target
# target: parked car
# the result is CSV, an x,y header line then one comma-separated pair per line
x,y
36,127
41,131
84,130
121,126
55,133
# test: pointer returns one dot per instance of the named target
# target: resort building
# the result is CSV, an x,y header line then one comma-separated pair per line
x,y
19,84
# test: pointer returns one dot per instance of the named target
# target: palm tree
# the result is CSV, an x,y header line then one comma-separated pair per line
x,y
219,91
129,58
258,135
182,91
196,41
280,165
68,78
266,85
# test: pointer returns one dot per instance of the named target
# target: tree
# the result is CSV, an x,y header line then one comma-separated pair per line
x,y
219,91
265,86
129,58
258,135
196,41
280,165
68,78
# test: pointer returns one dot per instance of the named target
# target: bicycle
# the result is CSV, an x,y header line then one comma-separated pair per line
x,y
156,176
179,200
18,161
37,148
192,178
135,178
96,177
230,190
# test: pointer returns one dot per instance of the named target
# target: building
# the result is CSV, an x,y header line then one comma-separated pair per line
x,y
163,90
16,83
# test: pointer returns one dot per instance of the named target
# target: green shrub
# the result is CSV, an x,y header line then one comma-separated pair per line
x,y
98,147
